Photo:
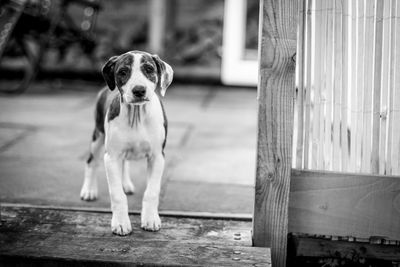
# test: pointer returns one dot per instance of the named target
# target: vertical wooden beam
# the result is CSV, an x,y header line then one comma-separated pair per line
x,y
277,46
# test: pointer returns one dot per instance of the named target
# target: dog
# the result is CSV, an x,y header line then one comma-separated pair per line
x,y
130,124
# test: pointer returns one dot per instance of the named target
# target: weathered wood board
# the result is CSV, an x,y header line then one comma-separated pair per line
x,y
276,91
324,248
50,237
342,204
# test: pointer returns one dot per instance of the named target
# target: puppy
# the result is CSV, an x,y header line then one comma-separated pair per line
x,y
130,124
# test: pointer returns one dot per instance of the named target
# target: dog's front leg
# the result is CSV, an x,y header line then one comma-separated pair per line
x,y
120,223
150,218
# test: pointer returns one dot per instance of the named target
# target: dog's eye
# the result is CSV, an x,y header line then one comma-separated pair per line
x,y
123,72
149,69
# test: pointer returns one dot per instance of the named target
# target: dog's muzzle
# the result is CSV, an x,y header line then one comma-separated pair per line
x,y
139,95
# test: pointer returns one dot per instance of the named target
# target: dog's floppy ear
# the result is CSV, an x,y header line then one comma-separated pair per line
x,y
108,72
165,74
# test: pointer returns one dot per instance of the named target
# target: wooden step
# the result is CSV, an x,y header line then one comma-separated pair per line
x,y
37,236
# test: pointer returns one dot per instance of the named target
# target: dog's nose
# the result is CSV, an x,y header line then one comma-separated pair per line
x,y
139,91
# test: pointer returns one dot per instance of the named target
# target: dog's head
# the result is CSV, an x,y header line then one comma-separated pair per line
x,y
137,75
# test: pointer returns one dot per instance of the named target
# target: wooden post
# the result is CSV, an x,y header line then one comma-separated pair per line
x,y
276,90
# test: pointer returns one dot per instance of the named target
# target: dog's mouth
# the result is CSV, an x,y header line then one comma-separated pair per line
x,y
138,101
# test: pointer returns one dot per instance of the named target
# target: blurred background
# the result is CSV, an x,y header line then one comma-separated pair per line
x,y
51,53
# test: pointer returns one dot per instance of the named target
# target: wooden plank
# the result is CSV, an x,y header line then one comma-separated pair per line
x,y
341,204
329,59
278,26
323,248
337,85
300,68
308,86
344,144
368,86
376,99
385,87
67,238
165,213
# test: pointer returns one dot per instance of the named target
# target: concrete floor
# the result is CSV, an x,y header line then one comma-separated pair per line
x,y
45,134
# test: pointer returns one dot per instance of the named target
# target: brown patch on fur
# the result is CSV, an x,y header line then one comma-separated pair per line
x,y
113,110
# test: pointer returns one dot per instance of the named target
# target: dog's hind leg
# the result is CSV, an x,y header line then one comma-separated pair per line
x,y
89,187
127,184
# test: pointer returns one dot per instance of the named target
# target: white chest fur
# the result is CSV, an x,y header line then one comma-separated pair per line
x,y
137,132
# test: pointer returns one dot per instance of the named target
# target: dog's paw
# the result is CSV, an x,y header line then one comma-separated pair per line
x,y
151,221
88,193
121,225
128,186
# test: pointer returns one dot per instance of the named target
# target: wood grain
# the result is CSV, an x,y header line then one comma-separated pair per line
x,y
278,29
66,238
329,203
323,248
